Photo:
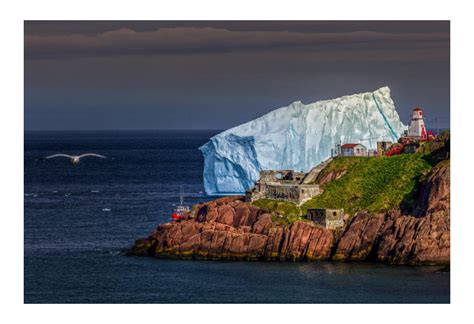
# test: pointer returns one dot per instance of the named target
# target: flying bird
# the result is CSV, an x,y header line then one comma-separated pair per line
x,y
75,158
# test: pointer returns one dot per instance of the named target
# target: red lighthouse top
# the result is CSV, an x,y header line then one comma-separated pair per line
x,y
417,113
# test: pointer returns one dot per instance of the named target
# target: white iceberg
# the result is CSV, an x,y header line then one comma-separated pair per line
x,y
296,137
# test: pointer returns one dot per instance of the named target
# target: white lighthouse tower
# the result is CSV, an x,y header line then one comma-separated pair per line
x,y
417,128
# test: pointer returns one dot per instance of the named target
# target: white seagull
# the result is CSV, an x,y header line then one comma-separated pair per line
x,y
75,158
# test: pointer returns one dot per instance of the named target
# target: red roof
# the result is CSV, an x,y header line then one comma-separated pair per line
x,y
349,145
417,109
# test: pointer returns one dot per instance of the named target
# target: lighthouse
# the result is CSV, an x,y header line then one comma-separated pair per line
x,y
417,128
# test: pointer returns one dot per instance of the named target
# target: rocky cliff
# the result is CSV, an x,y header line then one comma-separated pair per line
x,y
231,229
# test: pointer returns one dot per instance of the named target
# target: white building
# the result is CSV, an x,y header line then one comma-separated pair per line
x,y
353,150
417,128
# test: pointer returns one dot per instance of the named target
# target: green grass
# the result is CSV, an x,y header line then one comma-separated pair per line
x,y
340,164
373,184
290,211
343,163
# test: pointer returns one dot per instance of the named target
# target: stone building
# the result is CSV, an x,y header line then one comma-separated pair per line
x,y
285,185
282,176
411,148
329,218
383,147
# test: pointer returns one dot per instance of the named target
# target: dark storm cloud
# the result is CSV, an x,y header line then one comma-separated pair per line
x,y
95,27
188,40
218,74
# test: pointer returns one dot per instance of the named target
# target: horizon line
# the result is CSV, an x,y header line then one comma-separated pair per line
x,y
146,129
113,129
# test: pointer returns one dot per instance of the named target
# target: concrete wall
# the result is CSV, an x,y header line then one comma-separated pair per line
x,y
318,216
282,192
284,185
329,218
334,218
281,175
289,192
307,192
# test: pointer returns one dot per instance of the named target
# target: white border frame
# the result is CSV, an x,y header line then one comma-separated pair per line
x,y
13,14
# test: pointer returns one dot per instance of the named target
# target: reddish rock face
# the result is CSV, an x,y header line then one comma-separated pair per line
x,y
228,228
434,192
402,239
412,240
323,179
231,229
263,224
358,240
395,238
225,214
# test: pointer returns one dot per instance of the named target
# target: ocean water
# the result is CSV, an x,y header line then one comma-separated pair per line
x,y
79,218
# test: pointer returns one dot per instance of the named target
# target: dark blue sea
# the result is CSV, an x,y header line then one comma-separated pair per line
x,y
79,218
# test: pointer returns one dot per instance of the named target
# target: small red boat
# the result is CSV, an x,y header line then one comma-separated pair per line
x,y
181,211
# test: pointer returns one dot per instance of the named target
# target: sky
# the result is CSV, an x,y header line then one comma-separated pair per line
x,y
124,75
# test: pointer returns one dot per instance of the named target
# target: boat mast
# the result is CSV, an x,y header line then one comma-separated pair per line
x,y
181,195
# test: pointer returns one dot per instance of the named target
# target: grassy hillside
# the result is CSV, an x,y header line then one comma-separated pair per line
x,y
374,184
290,212
340,164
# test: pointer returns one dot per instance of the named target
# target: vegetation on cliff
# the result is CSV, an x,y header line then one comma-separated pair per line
x,y
368,183
284,212
337,167
372,184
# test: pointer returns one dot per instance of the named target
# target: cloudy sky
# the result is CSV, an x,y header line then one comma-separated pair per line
x,y
215,75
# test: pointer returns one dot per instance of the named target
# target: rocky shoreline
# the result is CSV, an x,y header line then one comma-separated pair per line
x,y
230,229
